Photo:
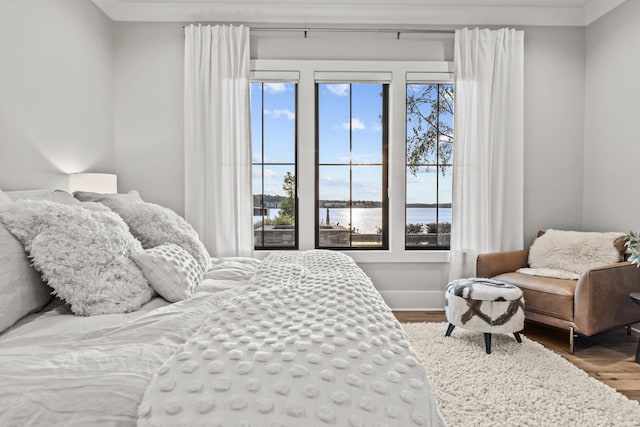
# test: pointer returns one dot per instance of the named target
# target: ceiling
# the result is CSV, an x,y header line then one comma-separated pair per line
x,y
362,12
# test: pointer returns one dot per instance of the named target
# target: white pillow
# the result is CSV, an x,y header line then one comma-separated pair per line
x,y
82,253
172,271
21,288
155,225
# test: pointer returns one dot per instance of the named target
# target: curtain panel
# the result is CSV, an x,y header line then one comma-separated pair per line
x,y
487,205
218,199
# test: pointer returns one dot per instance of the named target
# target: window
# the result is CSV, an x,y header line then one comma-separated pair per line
x,y
351,165
352,149
273,141
429,160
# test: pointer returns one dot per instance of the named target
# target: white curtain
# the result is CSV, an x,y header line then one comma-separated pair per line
x,y
218,197
488,149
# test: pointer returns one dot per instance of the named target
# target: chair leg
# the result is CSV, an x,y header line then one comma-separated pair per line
x,y
487,342
517,335
571,337
449,329
629,329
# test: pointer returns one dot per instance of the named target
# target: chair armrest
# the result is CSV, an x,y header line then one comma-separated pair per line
x,y
492,264
602,299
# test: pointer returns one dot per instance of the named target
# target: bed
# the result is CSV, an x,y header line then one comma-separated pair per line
x,y
298,339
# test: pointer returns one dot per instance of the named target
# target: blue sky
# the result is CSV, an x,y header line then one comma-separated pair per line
x,y
336,124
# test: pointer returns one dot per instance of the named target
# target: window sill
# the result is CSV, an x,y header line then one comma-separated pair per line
x,y
386,256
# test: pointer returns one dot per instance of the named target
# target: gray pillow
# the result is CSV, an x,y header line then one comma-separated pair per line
x,y
155,225
113,201
84,254
58,196
4,199
21,288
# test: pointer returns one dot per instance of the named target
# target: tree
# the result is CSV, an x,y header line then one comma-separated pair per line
x,y
428,136
414,228
288,205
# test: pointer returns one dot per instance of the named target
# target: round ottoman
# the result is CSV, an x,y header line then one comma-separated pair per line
x,y
484,305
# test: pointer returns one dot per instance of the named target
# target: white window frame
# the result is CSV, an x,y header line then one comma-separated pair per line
x,y
308,72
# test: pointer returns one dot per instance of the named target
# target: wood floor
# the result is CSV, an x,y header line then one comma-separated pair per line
x,y
608,357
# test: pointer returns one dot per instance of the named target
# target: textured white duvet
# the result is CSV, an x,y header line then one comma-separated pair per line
x,y
313,345
308,342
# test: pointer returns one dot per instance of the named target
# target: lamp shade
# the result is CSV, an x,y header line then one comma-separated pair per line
x,y
94,182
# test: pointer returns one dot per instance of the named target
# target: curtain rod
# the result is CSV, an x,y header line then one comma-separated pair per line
x,y
396,31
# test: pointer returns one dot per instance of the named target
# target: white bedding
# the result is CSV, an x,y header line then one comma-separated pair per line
x,y
60,369
312,344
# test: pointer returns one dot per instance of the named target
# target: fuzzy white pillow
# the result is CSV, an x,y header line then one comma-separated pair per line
x,y
171,271
155,225
84,254
573,251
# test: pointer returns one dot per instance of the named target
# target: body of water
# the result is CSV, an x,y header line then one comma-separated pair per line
x,y
367,220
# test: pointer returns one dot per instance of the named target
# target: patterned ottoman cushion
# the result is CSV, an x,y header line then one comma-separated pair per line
x,y
484,305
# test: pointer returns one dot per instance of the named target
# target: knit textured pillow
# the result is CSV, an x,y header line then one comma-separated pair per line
x,y
171,271
84,254
155,225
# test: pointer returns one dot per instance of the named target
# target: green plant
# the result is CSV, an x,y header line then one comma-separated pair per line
x,y
633,247
282,219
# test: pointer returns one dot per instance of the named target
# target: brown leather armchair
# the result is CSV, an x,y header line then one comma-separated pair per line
x,y
598,301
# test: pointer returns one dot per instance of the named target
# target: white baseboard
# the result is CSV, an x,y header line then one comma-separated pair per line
x,y
414,300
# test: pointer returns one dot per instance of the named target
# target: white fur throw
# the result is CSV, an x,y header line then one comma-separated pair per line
x,y
573,251
155,225
549,272
170,270
82,253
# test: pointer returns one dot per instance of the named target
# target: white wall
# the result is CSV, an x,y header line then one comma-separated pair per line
x,y
149,123
56,92
612,123
553,127
149,111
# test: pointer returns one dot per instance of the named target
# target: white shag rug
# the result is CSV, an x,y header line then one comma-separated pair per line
x,y
516,385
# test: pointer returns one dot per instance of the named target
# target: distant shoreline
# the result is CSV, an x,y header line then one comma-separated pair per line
x,y
271,201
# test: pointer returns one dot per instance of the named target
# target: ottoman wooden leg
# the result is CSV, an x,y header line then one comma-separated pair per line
x,y
487,342
449,329
517,335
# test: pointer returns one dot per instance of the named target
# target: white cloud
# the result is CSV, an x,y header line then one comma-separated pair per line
x,y
364,158
329,180
339,89
276,114
356,124
274,87
268,173
377,127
